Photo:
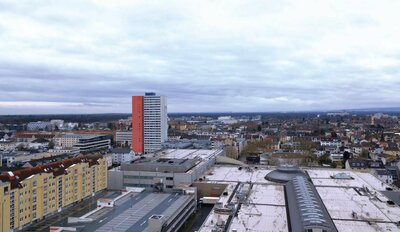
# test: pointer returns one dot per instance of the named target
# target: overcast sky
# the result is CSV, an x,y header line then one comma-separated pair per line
x,y
91,56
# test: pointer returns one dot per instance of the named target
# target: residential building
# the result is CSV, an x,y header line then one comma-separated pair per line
x,y
31,194
355,164
331,142
149,122
384,176
123,155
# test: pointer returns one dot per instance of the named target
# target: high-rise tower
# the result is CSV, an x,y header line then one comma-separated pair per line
x,y
149,122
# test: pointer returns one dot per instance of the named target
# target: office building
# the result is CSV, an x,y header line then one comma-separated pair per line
x,y
149,122
83,142
32,194
123,138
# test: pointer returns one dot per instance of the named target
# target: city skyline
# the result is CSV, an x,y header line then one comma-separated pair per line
x,y
229,56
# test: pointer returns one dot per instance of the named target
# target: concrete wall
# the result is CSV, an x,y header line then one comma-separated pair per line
x,y
115,180
209,189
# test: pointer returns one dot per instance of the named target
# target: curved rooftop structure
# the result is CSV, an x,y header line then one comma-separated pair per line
x,y
306,210
284,174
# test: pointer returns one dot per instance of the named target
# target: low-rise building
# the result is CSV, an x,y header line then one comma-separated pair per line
x,y
163,171
123,155
83,142
331,142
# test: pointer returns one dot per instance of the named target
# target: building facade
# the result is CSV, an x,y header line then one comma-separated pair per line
x,y
149,123
83,142
171,169
39,126
32,194
123,138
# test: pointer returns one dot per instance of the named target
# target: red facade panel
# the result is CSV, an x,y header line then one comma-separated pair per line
x,y
137,124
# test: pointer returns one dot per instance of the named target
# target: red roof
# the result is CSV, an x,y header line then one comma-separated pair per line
x,y
57,168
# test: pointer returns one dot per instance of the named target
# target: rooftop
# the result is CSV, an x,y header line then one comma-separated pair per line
x,y
159,165
351,203
132,211
56,168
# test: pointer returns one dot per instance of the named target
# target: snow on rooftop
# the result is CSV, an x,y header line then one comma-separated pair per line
x,y
203,154
360,179
351,208
342,203
267,194
351,226
372,181
211,220
233,174
260,218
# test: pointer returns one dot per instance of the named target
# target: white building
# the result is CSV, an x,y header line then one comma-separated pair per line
x,y
120,156
227,120
155,122
57,123
330,143
336,157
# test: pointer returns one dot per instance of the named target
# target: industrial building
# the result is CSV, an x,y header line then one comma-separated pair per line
x,y
32,194
137,210
292,199
163,171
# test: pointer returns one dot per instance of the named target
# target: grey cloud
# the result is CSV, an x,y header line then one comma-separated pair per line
x,y
204,56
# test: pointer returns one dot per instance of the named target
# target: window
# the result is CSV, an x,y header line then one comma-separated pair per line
x,y
170,178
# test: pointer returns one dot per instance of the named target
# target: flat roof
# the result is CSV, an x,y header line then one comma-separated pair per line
x,y
351,226
131,212
267,195
359,179
234,174
203,154
355,204
342,203
260,218
265,205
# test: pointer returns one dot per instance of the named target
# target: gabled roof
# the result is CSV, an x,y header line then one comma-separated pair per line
x,y
56,168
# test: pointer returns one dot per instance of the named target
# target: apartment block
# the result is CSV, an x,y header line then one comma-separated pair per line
x,y
149,123
31,194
